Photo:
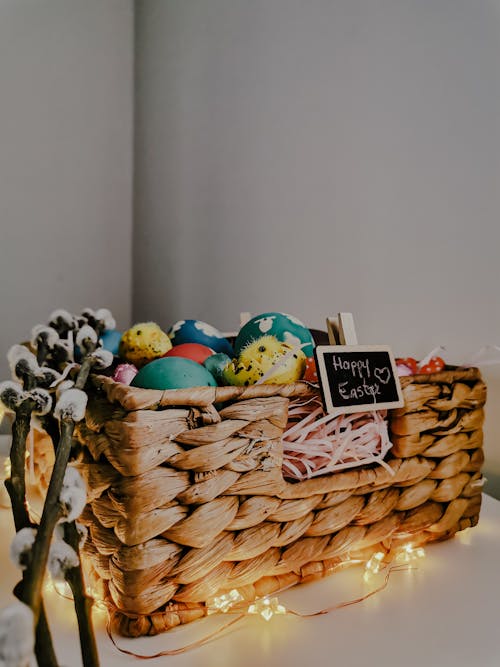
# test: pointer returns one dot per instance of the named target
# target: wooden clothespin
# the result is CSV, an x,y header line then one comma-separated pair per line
x,y
244,318
341,330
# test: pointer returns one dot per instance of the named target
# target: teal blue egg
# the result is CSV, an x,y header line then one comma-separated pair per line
x,y
286,328
111,340
216,364
173,373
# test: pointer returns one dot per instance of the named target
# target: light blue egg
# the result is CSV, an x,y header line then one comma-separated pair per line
x,y
196,331
111,340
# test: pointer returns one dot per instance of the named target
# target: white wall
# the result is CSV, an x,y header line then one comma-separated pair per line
x,y
321,156
66,77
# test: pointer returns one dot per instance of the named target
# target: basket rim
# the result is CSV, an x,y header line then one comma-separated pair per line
x,y
136,398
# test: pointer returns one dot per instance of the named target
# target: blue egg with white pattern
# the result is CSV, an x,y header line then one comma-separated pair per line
x,y
286,328
196,331
110,340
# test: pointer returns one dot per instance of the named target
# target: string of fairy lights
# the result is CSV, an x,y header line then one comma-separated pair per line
x,y
267,607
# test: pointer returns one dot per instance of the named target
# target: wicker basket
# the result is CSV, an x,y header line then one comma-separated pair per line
x,y
187,499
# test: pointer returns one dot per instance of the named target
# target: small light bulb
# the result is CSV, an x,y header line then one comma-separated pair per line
x,y
267,608
62,588
408,553
373,565
224,602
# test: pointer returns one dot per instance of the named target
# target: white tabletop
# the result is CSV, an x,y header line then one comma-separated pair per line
x,y
444,614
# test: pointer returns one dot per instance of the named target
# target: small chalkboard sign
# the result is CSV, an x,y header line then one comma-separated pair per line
x,y
355,378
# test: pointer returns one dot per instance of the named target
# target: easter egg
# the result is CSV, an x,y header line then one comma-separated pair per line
x,y
216,364
196,331
409,362
311,372
403,370
266,360
125,373
434,365
110,340
285,328
193,351
144,342
173,373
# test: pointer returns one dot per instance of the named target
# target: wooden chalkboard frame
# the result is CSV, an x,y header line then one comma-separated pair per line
x,y
324,376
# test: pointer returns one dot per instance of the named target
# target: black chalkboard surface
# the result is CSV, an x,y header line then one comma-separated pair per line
x,y
357,378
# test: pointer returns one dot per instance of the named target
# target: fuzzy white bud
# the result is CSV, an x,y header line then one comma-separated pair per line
x,y
22,361
42,399
42,332
88,314
21,546
62,558
83,532
106,317
17,635
102,358
11,394
63,350
71,405
47,377
62,319
62,387
73,496
86,333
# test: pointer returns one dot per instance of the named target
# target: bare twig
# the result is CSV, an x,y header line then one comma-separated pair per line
x,y
83,603
52,512
16,487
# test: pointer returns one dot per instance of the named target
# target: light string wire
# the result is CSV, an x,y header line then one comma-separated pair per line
x,y
244,614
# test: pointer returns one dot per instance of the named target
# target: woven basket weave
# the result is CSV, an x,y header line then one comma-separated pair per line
x,y
187,500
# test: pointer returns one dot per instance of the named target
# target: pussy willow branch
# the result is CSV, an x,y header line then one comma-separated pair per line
x,y
52,510
16,483
16,488
75,578
83,603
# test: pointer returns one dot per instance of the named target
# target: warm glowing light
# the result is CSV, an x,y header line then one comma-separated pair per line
x,y
98,603
373,565
62,588
6,468
267,608
408,553
224,602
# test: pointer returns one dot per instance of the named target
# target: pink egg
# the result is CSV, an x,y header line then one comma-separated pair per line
x,y
125,373
194,351
403,370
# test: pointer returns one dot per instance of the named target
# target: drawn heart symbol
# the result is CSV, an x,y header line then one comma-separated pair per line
x,y
382,374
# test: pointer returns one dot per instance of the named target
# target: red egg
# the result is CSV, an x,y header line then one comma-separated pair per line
x,y
193,351
434,365
409,362
311,373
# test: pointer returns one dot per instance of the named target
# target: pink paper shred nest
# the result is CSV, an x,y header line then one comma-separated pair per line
x,y
316,443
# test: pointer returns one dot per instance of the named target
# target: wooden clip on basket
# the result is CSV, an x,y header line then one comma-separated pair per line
x,y
187,497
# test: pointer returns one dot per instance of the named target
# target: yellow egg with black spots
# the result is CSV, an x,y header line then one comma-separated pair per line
x,y
143,343
266,360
